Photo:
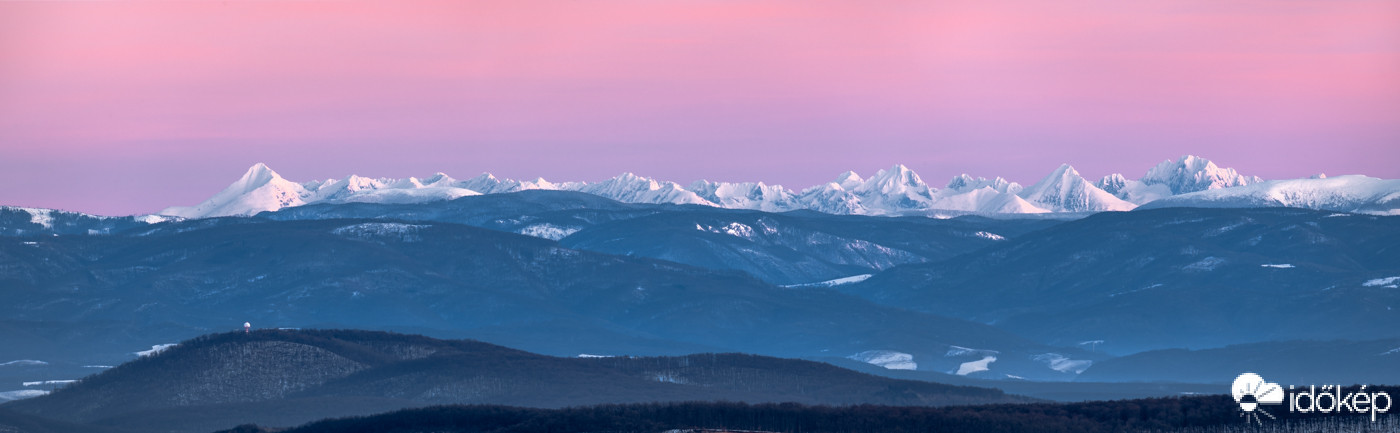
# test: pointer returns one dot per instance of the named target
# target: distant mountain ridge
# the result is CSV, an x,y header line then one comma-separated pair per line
x,y
1352,193
894,191
26,221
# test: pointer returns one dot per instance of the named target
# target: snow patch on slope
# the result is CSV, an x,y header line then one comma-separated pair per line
x,y
960,351
43,217
834,282
737,230
668,377
21,394
989,235
155,349
970,367
24,362
1062,363
155,219
887,358
367,231
547,231
1206,264
1390,282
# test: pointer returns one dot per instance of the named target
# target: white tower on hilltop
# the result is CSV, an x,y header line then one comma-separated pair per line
x,y
247,327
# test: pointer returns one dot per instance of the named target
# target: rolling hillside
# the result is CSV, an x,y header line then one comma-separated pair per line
x,y
1170,278
291,377
457,281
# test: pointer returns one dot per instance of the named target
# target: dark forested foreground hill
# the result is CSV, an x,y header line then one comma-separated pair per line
x,y
285,378
1193,414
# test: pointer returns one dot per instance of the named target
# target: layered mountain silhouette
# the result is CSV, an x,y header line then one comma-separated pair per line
x,y
894,191
982,282
1165,278
455,280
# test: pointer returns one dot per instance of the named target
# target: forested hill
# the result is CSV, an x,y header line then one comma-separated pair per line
x,y
284,378
1198,414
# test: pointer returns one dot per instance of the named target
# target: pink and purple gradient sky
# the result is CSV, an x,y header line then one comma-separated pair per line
x,y
129,107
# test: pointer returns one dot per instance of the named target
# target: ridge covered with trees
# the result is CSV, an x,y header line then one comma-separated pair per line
x,y
289,377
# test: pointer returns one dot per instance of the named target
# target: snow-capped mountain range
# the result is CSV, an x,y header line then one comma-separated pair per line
x,y
1187,181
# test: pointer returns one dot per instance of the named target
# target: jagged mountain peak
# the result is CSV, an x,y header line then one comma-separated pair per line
x,y
1192,173
960,181
1065,170
965,183
894,190
1064,190
255,177
895,179
260,189
848,180
746,195
631,188
357,182
628,181
1112,183
540,183
259,173
437,179
630,177
487,183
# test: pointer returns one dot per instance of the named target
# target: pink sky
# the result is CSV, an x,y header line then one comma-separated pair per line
x,y
129,107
